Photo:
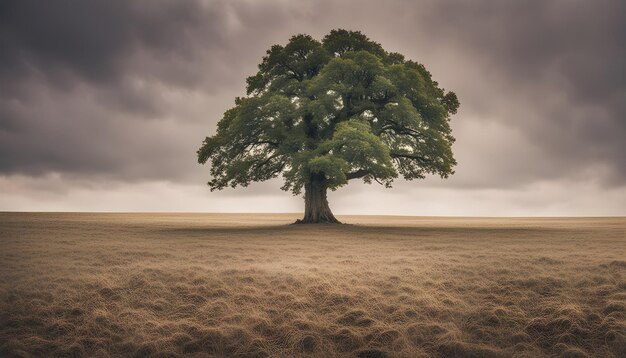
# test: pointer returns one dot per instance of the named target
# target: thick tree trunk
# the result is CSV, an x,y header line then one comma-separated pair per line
x,y
316,209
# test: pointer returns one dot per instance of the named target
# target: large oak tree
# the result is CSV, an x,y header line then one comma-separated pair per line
x,y
323,113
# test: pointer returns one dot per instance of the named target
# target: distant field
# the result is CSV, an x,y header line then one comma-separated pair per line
x,y
253,286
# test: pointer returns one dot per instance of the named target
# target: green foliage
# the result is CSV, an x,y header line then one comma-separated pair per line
x,y
340,109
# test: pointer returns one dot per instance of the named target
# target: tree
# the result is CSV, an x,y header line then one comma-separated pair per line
x,y
323,113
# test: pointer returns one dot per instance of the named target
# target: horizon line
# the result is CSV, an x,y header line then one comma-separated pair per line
x,y
301,213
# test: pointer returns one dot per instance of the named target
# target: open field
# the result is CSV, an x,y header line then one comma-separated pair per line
x,y
253,286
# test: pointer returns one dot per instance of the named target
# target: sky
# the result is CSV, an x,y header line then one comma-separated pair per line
x,y
104,103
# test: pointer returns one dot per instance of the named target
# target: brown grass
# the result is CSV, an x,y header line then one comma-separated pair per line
x,y
252,286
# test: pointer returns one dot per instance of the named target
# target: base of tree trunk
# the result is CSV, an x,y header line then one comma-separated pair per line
x,y
325,221
316,209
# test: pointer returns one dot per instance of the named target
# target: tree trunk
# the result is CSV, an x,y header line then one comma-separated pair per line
x,y
316,209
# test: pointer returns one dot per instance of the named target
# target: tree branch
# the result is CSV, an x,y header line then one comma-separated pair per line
x,y
357,174
296,74
400,129
266,161
408,156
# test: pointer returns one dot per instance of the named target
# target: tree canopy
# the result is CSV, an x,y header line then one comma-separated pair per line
x,y
323,113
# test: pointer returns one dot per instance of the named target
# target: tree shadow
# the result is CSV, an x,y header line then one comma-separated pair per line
x,y
365,231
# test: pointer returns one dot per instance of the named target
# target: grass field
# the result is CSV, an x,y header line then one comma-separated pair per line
x,y
254,286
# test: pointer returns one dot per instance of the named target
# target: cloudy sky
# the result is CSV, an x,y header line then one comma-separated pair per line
x,y
103,104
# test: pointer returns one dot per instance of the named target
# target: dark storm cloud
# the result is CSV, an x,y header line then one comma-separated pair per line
x,y
126,90
93,39
564,62
582,42
55,57
77,76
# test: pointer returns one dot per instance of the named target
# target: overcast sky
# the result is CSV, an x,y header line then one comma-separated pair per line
x,y
103,104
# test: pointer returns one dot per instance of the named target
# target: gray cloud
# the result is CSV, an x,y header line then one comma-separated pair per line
x,y
78,76
125,91
563,64
93,40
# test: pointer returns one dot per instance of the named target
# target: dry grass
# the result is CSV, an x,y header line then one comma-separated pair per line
x,y
250,285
